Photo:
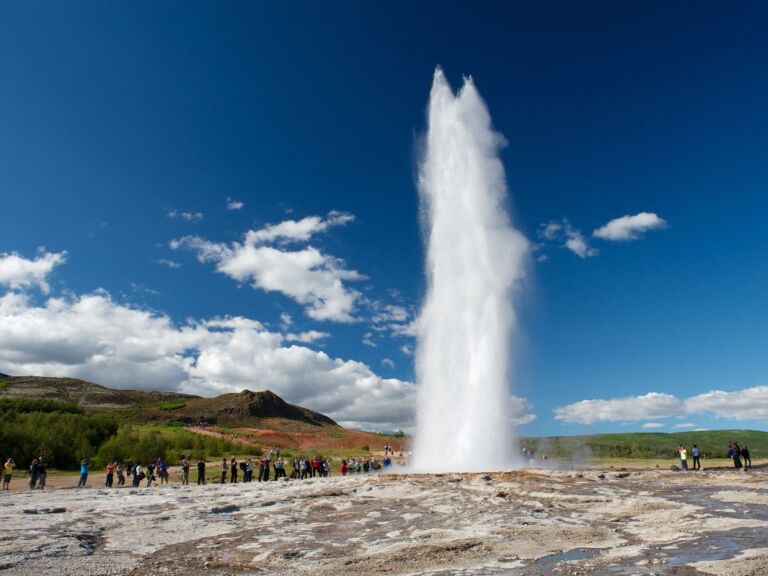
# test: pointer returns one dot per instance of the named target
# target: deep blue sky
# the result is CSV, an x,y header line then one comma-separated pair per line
x,y
112,114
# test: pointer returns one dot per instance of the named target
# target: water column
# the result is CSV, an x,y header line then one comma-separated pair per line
x,y
474,260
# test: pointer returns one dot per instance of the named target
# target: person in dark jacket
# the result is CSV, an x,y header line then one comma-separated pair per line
x,y
746,457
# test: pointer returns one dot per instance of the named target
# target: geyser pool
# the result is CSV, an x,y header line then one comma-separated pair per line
x,y
474,259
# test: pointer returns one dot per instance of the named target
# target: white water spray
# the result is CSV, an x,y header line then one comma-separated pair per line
x,y
474,259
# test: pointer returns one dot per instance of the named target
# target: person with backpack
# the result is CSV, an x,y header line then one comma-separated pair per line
x,y
735,453
696,457
84,467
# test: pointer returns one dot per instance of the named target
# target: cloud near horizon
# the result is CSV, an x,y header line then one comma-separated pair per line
x,y
308,276
744,404
97,339
19,272
629,227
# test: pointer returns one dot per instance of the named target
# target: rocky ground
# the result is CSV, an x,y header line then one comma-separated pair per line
x,y
595,522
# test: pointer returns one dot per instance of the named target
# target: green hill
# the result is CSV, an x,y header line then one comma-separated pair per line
x,y
713,444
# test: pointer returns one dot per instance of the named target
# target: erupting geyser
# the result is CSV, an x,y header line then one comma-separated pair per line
x,y
474,259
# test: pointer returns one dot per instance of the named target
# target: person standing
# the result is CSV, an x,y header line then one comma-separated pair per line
x,y
746,457
696,457
201,472
224,467
42,473
184,471
233,470
8,473
110,474
735,453
84,467
33,474
120,474
150,474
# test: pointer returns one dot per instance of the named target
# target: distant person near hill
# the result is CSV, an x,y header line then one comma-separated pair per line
x,y
84,467
201,472
734,451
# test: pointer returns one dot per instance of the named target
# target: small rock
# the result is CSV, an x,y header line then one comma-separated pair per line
x,y
601,476
225,509
30,511
485,478
622,475
269,503
501,494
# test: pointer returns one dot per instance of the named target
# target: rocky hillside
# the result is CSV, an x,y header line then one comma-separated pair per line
x,y
245,408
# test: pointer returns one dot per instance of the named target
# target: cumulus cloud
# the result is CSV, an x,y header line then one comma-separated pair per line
x,y
388,363
744,404
308,276
630,227
520,410
188,216
19,272
234,204
308,337
684,426
299,230
631,408
95,338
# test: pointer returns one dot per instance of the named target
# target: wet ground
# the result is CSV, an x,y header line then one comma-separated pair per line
x,y
527,522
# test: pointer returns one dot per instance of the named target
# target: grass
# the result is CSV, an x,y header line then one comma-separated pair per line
x,y
4,384
647,445
170,406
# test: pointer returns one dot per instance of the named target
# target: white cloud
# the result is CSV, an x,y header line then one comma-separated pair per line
x,y
521,411
95,338
298,230
388,363
575,243
406,349
550,230
188,216
630,227
631,408
308,337
306,275
389,313
684,426
651,425
234,204
286,320
170,263
745,404
566,235
19,272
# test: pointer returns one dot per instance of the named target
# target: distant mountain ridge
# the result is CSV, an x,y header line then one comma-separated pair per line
x,y
240,408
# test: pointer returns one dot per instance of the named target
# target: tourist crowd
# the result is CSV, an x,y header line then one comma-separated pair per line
x,y
269,467
736,452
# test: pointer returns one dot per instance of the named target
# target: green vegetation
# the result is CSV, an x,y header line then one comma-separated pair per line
x,y
59,432
648,445
5,383
63,435
168,406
